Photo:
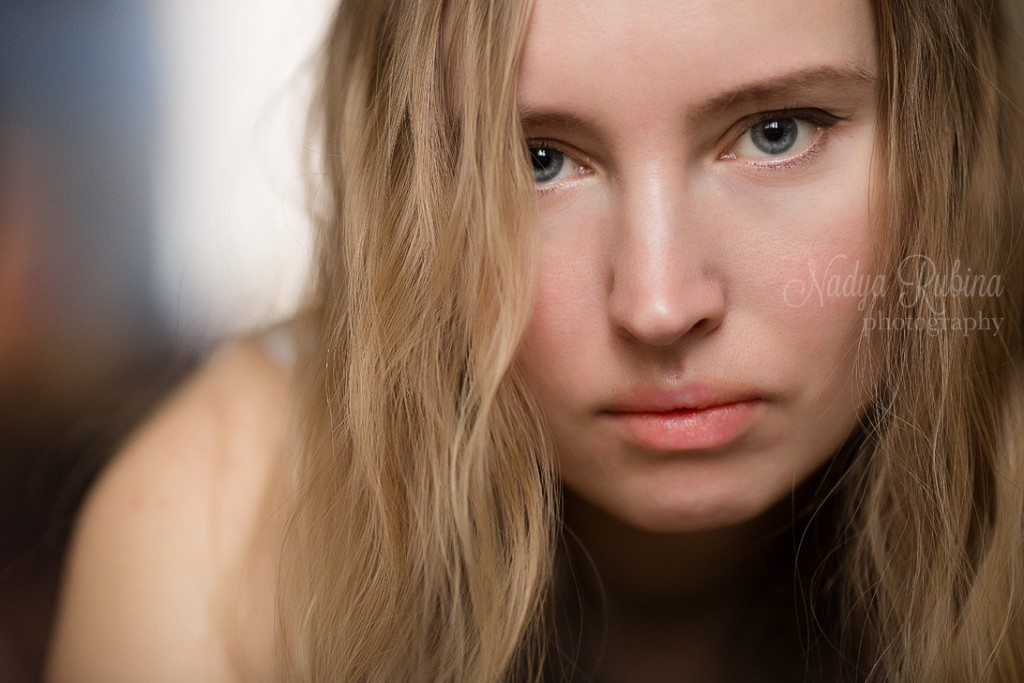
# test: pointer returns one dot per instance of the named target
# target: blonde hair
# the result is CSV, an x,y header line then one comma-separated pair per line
x,y
419,549
421,541
934,502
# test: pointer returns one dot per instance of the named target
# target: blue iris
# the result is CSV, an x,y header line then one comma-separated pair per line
x,y
774,136
547,163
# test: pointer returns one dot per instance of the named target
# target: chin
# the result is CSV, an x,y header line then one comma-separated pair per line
x,y
669,521
669,514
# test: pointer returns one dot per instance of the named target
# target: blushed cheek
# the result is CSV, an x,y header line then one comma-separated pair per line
x,y
566,300
819,264
821,306
547,347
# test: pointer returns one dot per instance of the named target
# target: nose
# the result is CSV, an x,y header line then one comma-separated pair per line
x,y
663,284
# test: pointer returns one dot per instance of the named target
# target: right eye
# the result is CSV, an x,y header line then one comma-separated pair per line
x,y
551,164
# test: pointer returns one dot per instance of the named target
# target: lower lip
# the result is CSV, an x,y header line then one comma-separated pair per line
x,y
684,430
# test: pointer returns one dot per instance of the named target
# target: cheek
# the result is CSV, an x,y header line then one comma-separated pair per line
x,y
543,348
566,320
800,263
832,275
823,283
815,264
550,343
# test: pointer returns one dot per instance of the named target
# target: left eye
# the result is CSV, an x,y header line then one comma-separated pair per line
x,y
547,164
775,137
552,164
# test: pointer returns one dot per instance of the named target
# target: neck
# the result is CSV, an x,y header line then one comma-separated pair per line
x,y
651,569
654,606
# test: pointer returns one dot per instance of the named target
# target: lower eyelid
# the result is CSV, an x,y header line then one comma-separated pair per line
x,y
787,164
815,148
562,186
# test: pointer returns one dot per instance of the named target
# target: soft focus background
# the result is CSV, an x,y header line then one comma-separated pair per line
x,y
151,203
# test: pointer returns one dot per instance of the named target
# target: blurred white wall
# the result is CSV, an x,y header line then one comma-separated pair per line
x,y
232,238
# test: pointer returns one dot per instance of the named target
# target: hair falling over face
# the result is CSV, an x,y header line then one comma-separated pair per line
x,y
412,417
422,541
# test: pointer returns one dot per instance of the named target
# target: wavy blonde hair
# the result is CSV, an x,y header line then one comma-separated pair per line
x,y
933,504
419,547
421,540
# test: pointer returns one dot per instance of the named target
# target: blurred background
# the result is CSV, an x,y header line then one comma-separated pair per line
x,y
152,203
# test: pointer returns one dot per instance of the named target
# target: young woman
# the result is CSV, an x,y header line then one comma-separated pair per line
x,y
727,387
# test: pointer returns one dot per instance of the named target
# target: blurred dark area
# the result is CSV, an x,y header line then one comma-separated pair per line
x,y
83,351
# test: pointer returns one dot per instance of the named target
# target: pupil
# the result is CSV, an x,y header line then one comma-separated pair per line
x,y
773,131
546,163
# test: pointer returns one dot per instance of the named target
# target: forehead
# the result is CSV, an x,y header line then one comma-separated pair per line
x,y
637,55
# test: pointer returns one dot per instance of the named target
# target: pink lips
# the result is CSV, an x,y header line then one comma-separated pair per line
x,y
692,417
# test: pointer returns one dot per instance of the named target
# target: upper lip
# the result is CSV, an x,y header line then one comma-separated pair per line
x,y
695,396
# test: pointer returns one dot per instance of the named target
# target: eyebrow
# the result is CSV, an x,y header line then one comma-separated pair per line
x,y
796,83
820,78
532,117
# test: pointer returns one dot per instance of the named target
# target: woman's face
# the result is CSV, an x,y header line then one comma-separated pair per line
x,y
702,177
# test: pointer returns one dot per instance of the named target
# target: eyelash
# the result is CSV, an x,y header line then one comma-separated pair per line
x,y
571,156
823,120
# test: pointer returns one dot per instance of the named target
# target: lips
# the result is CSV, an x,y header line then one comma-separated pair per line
x,y
691,417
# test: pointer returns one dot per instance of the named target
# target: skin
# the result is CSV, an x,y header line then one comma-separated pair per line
x,y
670,246
170,575
665,252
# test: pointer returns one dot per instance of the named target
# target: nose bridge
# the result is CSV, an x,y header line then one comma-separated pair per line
x,y
663,284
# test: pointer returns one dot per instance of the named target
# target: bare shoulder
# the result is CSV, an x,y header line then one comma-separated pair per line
x,y
170,573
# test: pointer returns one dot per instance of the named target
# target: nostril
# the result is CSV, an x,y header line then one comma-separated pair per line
x,y
701,326
663,320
